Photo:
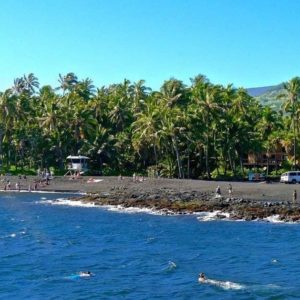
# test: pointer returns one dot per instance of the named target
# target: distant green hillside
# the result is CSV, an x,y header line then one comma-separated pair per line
x,y
268,96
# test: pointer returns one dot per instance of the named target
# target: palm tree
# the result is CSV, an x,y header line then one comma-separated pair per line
x,y
291,96
119,105
172,129
31,82
267,127
145,129
139,93
207,99
25,84
172,91
85,89
67,82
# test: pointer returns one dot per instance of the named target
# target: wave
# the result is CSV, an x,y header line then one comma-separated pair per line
x,y
216,215
277,219
13,235
212,216
114,208
170,267
226,285
274,219
67,202
135,210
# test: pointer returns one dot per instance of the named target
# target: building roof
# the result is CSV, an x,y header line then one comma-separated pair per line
x,y
77,157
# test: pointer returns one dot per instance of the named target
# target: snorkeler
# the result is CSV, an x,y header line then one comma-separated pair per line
x,y
80,274
219,283
85,274
202,277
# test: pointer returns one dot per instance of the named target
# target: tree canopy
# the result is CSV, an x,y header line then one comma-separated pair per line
x,y
184,131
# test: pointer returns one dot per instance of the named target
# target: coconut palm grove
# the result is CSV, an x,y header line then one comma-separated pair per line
x,y
200,130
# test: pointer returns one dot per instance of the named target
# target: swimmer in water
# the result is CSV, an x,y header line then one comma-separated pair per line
x,y
222,284
85,274
202,277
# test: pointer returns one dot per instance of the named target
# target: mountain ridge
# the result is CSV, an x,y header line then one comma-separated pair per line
x,y
268,95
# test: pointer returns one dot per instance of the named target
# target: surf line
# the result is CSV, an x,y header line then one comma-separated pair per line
x,y
45,192
227,285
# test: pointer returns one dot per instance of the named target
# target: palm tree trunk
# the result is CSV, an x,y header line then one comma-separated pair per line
x,y
230,161
241,164
155,157
268,163
180,175
206,157
188,166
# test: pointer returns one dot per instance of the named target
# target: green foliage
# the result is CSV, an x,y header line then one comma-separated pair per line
x,y
197,131
16,171
220,174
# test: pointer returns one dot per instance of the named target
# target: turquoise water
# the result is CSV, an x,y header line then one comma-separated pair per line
x,y
43,247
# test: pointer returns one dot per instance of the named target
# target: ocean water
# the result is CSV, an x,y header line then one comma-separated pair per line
x,y
135,255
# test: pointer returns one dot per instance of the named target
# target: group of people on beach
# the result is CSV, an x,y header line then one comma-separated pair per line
x,y
218,191
42,182
219,194
135,178
46,173
34,186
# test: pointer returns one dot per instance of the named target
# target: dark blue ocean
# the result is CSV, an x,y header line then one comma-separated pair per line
x,y
140,256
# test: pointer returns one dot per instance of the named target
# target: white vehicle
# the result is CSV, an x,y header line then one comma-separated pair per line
x,y
290,177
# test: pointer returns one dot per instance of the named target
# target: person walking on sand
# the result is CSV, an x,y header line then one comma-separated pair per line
x,y
230,190
218,191
18,186
294,197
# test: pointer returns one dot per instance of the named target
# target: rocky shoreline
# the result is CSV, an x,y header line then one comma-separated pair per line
x,y
249,200
174,202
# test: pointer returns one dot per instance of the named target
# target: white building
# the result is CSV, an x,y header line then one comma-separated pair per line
x,y
77,164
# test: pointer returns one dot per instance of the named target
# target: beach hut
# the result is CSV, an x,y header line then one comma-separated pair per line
x,y
77,165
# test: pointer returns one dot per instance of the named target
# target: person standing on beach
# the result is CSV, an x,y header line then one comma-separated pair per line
x,y
294,197
218,191
230,190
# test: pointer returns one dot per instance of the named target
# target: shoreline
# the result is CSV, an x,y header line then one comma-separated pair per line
x,y
249,200
223,208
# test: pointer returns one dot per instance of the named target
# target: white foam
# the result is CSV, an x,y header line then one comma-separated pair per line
x,y
212,216
67,202
226,285
114,208
171,265
274,219
133,210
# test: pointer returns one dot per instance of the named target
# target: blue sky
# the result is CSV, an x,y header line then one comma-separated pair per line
x,y
248,43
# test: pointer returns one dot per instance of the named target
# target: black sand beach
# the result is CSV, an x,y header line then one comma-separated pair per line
x,y
249,200
259,191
